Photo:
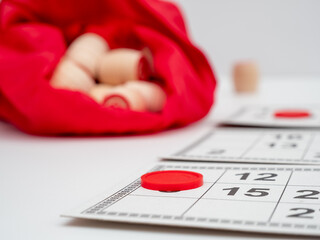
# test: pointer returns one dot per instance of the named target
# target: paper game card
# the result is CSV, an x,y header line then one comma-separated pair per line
x,y
254,145
276,116
282,199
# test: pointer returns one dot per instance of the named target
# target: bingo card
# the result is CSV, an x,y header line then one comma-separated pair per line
x,y
254,145
276,116
283,199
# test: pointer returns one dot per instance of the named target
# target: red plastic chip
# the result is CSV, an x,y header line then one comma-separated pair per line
x,y
172,180
292,114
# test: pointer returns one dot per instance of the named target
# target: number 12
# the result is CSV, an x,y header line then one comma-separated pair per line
x,y
267,176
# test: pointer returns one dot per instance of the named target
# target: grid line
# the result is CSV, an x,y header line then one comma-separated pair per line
x,y
204,193
280,198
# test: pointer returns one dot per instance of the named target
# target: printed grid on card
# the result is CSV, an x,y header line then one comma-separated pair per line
x,y
259,198
263,116
254,145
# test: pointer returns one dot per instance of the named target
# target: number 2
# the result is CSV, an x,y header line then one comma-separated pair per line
x,y
308,196
303,213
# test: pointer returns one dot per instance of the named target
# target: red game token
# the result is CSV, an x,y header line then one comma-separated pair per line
x,y
172,180
292,114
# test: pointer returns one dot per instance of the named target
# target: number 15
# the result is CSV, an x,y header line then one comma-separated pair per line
x,y
253,192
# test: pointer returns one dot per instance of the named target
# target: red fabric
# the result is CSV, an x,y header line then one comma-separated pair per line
x,y
35,34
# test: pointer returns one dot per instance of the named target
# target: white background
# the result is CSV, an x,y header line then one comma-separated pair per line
x,y
283,36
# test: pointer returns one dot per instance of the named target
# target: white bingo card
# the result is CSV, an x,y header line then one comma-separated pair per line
x,y
254,145
283,199
263,116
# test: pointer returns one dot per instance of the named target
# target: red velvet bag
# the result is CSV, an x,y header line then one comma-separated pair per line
x,y
35,34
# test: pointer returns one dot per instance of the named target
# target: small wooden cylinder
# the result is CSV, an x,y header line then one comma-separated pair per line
x,y
86,51
119,97
152,93
246,77
69,75
121,65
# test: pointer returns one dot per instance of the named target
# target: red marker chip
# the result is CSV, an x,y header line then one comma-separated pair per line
x,y
172,180
292,114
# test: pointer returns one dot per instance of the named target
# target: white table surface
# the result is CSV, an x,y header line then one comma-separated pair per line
x,y
42,177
